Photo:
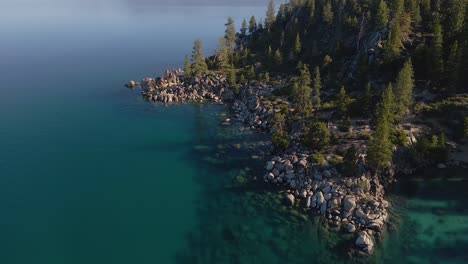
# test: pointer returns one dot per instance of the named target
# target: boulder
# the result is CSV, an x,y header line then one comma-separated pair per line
x,y
317,199
349,203
131,84
302,163
327,174
275,172
307,202
360,214
270,165
303,194
270,176
350,228
364,242
289,199
323,208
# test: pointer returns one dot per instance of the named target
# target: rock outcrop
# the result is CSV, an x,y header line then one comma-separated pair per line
x,y
354,203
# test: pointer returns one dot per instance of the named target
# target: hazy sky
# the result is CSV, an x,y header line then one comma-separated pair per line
x,y
24,8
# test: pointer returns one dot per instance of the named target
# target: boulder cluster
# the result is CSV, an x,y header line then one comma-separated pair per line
x,y
356,204
254,107
174,87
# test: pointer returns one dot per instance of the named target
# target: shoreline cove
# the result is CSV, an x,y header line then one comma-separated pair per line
x,y
353,205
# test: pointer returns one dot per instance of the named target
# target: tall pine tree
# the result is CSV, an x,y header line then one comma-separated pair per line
x,y
199,64
270,15
301,94
187,66
317,88
404,88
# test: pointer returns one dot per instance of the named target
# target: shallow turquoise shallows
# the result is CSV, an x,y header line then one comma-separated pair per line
x,y
91,173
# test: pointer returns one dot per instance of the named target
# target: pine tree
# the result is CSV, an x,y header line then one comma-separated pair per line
x,y
388,107
382,14
317,88
463,77
350,166
456,16
437,50
242,79
252,25
297,45
453,66
270,15
280,137
367,98
311,6
415,11
251,73
223,56
398,8
343,102
230,34
232,78
301,94
392,48
317,135
199,64
244,27
327,12
278,57
187,67
404,88
379,152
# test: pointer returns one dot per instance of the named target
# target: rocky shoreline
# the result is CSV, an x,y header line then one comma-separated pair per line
x,y
354,204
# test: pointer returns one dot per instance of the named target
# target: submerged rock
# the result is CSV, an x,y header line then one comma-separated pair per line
x,y
289,199
365,243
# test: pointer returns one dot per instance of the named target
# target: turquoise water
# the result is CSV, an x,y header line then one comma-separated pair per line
x,y
91,173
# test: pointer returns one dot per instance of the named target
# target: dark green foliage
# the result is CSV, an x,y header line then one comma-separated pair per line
x,y
343,102
318,159
230,34
453,66
278,58
317,87
187,67
437,50
267,77
387,107
244,27
199,64
393,45
404,88
382,15
432,148
251,73
379,152
327,12
415,11
242,79
297,45
223,56
465,127
317,135
252,25
232,78
280,136
270,15
350,167
301,94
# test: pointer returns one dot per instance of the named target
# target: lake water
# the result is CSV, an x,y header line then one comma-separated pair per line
x,y
91,173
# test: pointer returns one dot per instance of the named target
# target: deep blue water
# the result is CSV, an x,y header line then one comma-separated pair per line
x,y
91,173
